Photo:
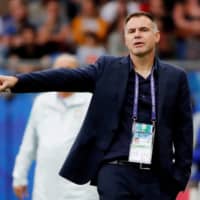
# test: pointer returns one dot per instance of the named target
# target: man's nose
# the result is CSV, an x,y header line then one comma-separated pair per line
x,y
137,34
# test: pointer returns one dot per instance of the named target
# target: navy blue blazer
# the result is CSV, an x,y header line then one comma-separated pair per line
x,y
107,80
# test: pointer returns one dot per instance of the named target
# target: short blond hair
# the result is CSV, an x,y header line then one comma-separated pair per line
x,y
66,60
142,14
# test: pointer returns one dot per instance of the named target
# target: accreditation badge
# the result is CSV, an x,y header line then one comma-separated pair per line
x,y
141,146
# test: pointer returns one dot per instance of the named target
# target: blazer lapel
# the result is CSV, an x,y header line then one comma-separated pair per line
x,y
115,90
162,84
119,77
123,69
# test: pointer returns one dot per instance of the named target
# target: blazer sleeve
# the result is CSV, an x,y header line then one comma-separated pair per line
x,y
81,79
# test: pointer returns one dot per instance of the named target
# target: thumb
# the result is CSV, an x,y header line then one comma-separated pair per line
x,y
3,86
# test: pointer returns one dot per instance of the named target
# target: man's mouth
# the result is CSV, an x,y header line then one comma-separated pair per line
x,y
138,44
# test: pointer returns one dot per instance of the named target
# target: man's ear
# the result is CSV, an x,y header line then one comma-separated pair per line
x,y
157,36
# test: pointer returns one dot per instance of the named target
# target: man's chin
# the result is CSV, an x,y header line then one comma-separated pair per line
x,y
140,54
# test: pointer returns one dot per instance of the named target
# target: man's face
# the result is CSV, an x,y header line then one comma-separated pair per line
x,y
141,36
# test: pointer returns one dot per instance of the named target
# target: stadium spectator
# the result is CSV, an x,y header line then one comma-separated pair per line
x,y
28,49
186,15
111,9
115,43
54,25
88,21
166,46
55,21
91,50
16,18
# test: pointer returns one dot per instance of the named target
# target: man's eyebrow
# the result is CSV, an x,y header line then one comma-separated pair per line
x,y
141,27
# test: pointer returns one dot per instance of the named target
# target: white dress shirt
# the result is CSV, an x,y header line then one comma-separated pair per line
x,y
52,128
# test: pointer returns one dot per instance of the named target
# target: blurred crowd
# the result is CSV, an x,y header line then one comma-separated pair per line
x,y
40,29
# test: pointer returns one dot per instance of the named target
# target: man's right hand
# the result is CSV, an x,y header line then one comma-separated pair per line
x,y
20,191
7,82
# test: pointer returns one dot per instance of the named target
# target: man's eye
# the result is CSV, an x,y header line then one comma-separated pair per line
x,y
144,29
131,31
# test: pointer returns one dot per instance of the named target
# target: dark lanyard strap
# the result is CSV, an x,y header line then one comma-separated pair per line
x,y
153,97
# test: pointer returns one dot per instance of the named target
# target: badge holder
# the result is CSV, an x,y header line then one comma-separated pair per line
x,y
141,146
142,143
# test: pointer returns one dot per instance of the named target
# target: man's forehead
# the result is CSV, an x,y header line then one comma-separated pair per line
x,y
140,21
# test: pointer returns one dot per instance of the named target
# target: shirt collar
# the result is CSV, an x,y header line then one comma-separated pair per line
x,y
155,65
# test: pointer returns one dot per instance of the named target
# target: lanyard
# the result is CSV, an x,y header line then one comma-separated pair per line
x,y
153,97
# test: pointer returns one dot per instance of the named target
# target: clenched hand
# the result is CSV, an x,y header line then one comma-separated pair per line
x,y
7,82
21,191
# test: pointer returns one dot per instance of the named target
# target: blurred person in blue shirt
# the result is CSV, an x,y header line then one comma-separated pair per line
x,y
195,178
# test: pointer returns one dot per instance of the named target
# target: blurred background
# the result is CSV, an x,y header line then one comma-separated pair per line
x,y
34,32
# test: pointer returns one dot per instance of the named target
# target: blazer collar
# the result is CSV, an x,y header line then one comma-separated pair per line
x,y
157,63
125,60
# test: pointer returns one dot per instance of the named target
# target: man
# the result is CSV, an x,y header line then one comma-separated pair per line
x,y
136,140
54,122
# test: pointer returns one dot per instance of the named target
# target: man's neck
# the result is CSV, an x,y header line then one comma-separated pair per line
x,y
143,65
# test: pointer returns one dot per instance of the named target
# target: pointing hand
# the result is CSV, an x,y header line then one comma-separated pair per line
x,y
7,82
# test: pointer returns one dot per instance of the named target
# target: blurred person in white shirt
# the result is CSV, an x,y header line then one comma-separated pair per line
x,y
55,120
89,52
